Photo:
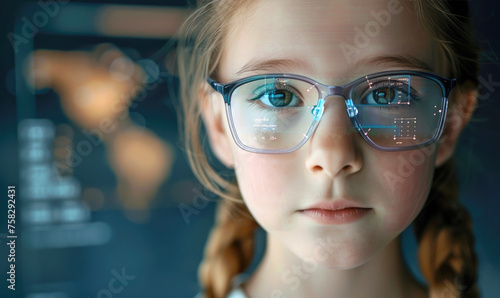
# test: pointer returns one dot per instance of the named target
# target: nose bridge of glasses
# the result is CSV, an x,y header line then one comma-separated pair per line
x,y
340,92
319,109
336,90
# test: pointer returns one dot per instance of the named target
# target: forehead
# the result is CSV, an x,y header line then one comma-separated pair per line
x,y
326,39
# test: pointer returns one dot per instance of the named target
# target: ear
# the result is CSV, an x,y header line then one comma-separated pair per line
x,y
214,118
462,104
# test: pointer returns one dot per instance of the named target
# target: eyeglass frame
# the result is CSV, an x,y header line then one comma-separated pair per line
x,y
324,91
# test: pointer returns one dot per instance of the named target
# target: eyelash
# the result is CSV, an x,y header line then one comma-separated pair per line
x,y
415,95
268,88
282,110
278,111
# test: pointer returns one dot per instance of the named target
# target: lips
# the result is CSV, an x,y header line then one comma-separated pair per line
x,y
335,212
334,205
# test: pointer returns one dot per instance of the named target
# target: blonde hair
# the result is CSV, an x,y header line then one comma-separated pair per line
x,y
443,228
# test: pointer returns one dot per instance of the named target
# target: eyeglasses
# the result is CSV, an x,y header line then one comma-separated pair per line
x,y
392,110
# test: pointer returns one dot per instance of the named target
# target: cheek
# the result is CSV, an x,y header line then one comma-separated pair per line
x,y
266,183
407,180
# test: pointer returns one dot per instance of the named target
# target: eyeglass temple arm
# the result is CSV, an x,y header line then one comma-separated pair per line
x,y
217,86
452,83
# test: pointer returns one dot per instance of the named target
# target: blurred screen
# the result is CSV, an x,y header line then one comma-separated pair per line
x,y
102,176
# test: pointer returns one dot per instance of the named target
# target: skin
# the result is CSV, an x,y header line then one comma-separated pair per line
x,y
362,258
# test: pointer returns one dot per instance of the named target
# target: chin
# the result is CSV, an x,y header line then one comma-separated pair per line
x,y
343,263
339,255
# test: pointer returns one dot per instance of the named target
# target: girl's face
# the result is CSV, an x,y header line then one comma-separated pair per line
x,y
333,42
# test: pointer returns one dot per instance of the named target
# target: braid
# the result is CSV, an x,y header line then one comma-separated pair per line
x,y
444,227
446,241
229,250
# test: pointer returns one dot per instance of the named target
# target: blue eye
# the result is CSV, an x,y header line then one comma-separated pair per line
x,y
382,96
388,95
275,97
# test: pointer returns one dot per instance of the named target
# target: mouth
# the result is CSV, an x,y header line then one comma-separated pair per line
x,y
336,212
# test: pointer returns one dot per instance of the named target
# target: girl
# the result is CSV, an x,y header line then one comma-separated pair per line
x,y
340,120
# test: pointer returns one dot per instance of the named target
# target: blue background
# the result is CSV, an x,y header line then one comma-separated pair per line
x,y
163,252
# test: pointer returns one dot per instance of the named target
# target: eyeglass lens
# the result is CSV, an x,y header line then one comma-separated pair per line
x,y
275,113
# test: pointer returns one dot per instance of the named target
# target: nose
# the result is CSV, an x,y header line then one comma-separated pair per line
x,y
334,147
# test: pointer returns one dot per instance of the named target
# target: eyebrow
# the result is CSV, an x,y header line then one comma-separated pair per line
x,y
273,65
405,61
262,66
